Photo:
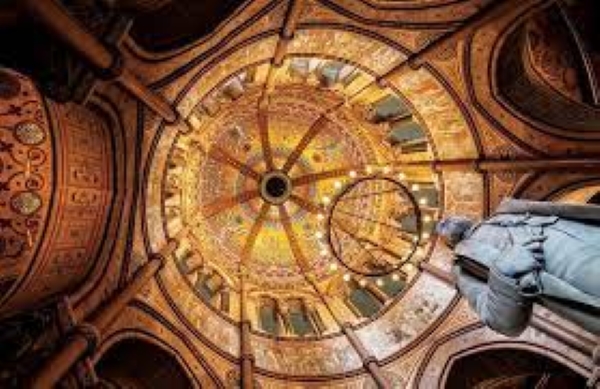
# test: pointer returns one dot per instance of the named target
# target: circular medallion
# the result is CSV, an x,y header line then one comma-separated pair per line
x,y
26,203
29,133
374,240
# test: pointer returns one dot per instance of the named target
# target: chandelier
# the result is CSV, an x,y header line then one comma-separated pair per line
x,y
374,226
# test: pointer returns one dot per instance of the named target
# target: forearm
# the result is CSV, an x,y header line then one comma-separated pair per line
x,y
497,303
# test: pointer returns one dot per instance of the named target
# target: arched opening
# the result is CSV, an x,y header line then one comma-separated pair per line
x,y
362,300
134,363
407,136
299,318
510,368
389,108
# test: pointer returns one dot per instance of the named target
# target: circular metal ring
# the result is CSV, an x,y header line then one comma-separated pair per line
x,y
275,187
403,258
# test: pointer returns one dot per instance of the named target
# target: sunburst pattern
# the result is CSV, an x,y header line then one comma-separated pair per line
x,y
309,145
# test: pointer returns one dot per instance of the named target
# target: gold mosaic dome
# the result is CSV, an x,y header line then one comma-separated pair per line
x,y
250,185
280,163
254,177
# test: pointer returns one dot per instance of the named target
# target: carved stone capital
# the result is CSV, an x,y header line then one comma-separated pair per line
x,y
90,333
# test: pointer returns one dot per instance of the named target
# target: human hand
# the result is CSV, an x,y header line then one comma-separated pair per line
x,y
519,259
536,246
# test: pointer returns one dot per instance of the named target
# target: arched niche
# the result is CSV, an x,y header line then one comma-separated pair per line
x,y
545,75
509,368
471,337
134,363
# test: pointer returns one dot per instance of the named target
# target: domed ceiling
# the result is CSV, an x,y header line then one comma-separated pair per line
x,y
292,202
280,162
247,182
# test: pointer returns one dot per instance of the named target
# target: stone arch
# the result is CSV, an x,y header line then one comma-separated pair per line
x,y
473,338
483,60
580,193
508,367
134,362
559,187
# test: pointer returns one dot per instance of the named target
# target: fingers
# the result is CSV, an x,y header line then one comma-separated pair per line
x,y
535,244
535,247
538,239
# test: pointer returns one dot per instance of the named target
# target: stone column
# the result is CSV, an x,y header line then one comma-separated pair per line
x,y
438,273
108,63
377,293
313,316
87,335
246,355
283,311
368,360
287,34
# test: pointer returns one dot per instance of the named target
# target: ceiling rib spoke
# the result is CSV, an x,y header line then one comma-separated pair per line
x,y
293,241
305,204
321,176
220,155
223,204
254,232
312,132
263,131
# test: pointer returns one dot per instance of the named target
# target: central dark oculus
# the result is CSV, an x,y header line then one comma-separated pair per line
x,y
275,187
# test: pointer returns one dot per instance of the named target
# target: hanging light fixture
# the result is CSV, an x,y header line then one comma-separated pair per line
x,y
363,230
